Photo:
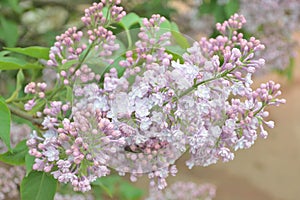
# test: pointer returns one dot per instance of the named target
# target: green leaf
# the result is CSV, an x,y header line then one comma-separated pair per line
x,y
4,53
106,189
219,14
5,118
115,65
207,7
8,32
176,52
38,186
17,155
97,192
69,94
13,4
172,27
129,20
69,64
34,51
29,161
129,192
179,38
20,80
107,184
231,7
11,63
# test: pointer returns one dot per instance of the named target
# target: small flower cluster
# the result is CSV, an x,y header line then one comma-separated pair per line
x,y
38,90
184,190
273,22
143,121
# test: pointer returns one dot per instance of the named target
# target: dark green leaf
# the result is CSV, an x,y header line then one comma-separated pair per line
x,y
38,186
29,161
97,192
129,192
108,184
11,63
207,7
5,118
219,14
8,32
17,155
34,51
13,4
231,7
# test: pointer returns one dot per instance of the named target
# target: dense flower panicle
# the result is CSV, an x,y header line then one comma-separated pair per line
x,y
184,190
143,121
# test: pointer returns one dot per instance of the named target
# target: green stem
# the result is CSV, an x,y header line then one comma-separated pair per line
x,y
128,38
16,111
262,107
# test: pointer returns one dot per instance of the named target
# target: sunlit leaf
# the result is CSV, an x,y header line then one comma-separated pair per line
x,y
17,155
34,51
5,118
11,63
38,186
129,20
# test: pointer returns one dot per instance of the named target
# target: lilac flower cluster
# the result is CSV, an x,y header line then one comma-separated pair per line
x,y
38,90
273,22
143,121
184,190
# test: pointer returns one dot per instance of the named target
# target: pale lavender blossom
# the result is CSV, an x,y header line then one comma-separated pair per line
x,y
143,121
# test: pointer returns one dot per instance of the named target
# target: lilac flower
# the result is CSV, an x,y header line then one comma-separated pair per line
x,y
142,122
